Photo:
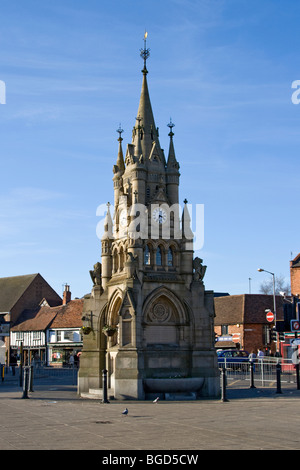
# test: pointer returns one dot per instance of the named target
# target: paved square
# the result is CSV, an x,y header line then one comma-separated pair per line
x,y
54,417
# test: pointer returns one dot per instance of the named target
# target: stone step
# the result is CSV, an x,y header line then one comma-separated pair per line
x,y
96,393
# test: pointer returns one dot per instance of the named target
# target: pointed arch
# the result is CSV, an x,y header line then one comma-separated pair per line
x,y
147,255
180,313
159,256
170,257
113,307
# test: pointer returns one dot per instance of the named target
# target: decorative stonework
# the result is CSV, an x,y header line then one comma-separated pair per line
x,y
160,313
149,287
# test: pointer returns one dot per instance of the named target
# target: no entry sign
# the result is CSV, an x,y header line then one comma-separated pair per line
x,y
270,316
295,325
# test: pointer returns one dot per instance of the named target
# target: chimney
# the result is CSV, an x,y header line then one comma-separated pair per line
x,y
66,295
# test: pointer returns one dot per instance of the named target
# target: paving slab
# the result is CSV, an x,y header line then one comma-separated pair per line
x,y
54,417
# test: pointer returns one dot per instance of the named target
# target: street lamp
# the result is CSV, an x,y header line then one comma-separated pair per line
x,y
274,301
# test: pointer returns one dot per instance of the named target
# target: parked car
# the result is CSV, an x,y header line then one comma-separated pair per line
x,y
232,357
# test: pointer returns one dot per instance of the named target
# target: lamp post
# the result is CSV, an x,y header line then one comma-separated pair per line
x,y
274,301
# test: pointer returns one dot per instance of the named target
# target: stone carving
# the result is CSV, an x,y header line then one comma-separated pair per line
x,y
132,265
96,274
160,313
199,269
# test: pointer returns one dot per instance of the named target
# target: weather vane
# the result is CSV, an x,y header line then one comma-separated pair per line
x,y
145,53
120,131
171,125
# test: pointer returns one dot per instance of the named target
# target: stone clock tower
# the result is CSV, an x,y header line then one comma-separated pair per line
x,y
148,320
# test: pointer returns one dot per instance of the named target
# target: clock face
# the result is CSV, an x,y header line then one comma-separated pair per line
x,y
123,218
159,215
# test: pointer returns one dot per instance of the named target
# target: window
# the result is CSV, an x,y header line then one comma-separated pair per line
x,y
158,256
147,256
115,262
170,257
224,330
121,259
20,335
52,336
68,335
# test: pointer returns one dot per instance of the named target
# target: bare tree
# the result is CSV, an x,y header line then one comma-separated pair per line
x,y
266,287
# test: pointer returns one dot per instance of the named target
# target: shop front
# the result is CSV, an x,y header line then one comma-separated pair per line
x,y
64,347
64,355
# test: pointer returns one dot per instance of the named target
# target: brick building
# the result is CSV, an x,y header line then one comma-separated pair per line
x,y
17,294
241,321
295,276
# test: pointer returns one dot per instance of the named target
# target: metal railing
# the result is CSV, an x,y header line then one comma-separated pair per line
x,y
264,371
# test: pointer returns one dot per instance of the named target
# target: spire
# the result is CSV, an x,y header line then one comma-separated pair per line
x,y
139,135
186,222
145,128
172,163
108,224
120,160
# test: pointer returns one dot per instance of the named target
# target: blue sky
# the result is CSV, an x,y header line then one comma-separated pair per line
x,y
222,69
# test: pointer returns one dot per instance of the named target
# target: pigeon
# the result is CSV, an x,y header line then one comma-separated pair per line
x,y
125,412
156,400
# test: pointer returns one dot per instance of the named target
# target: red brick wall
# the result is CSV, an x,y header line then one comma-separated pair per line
x,y
31,298
295,280
251,336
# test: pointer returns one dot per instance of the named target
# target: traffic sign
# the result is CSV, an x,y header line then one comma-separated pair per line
x,y
270,316
295,325
236,337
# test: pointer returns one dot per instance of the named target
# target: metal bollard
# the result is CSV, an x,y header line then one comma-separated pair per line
x,y
297,377
104,386
278,377
25,382
252,375
223,374
31,379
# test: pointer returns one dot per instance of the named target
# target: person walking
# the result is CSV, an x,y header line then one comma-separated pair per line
x,y
252,359
260,356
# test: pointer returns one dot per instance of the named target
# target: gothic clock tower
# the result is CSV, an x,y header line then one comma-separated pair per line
x,y
148,320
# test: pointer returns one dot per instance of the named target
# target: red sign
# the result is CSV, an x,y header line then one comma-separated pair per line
x,y
236,337
270,316
295,325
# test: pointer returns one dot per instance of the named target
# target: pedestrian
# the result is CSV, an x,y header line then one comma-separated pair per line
x,y
71,360
252,359
13,363
260,356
